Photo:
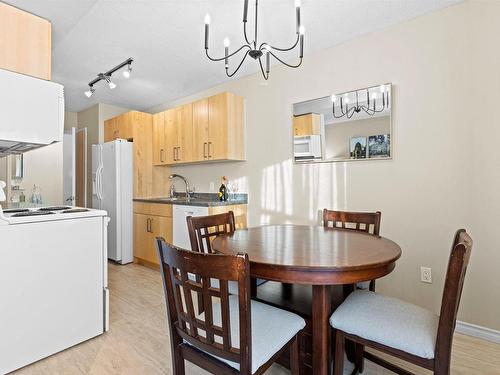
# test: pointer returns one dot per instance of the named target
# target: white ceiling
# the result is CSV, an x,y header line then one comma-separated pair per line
x,y
165,38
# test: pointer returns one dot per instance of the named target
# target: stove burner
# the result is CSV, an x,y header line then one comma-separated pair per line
x,y
54,208
32,213
14,210
73,210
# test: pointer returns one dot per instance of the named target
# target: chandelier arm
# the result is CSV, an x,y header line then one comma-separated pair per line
x,y
281,49
266,77
245,33
350,112
285,63
371,111
238,67
342,113
228,56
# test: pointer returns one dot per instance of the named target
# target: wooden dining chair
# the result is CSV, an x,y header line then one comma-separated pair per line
x,y
203,229
233,335
368,222
401,329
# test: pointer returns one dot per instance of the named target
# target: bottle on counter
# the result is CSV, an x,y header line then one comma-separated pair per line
x,y
22,198
223,194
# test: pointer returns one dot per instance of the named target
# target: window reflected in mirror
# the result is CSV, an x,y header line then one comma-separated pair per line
x,y
354,125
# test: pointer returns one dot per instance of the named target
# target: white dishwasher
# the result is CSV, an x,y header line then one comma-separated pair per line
x,y
181,235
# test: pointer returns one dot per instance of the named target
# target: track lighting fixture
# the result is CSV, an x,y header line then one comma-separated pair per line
x,y
106,77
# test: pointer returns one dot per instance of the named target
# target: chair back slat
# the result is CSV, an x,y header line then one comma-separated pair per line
x,y
189,273
452,292
368,222
203,229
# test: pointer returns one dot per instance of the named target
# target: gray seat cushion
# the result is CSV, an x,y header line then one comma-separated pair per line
x,y
388,321
272,328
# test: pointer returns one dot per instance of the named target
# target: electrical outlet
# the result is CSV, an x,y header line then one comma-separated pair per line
x,y
426,275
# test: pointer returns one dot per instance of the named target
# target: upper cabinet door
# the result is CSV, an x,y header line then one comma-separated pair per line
x,y
25,42
159,153
184,124
225,127
171,137
307,124
200,130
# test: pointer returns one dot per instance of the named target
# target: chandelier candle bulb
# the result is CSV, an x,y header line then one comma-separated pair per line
x,y
268,61
297,15
245,11
207,25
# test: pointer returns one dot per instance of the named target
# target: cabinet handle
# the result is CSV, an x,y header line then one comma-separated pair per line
x,y
150,225
178,158
147,224
174,154
209,155
161,156
205,144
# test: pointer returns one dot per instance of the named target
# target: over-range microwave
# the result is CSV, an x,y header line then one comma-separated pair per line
x,y
307,147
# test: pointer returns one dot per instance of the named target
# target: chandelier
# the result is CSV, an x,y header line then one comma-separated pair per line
x,y
371,105
256,50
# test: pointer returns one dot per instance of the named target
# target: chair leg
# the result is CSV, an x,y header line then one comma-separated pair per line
x,y
360,359
178,365
372,286
294,356
339,353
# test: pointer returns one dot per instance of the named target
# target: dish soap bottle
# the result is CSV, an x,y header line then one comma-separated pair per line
x,y
223,190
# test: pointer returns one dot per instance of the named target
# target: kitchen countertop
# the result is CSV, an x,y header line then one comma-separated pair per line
x,y
199,199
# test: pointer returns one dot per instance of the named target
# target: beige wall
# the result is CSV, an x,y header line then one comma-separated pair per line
x,y
70,120
44,167
437,63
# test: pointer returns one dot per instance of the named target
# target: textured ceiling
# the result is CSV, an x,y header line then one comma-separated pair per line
x,y
165,38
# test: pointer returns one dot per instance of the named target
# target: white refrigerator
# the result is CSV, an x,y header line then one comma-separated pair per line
x,y
112,190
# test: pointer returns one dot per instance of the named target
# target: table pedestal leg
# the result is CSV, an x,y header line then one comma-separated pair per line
x,y
321,331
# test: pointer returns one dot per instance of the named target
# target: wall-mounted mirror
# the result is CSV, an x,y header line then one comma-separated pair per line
x,y
17,164
354,125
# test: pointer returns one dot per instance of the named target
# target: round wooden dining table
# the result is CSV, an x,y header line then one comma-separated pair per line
x,y
316,256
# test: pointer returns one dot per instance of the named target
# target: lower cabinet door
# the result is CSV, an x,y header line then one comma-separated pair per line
x,y
142,236
162,227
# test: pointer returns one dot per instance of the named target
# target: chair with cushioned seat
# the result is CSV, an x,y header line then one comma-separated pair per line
x,y
368,222
233,335
402,329
203,229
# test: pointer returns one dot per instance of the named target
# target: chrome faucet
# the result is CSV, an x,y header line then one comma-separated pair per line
x,y
172,176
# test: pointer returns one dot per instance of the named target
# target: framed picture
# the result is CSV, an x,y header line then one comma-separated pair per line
x,y
357,148
379,146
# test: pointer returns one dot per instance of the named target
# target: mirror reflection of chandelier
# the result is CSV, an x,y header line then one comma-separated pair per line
x,y
371,101
254,49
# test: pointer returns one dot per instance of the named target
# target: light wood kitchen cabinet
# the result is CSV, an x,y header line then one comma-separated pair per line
x,y
25,42
210,129
225,127
178,133
122,126
200,130
307,124
159,139
151,220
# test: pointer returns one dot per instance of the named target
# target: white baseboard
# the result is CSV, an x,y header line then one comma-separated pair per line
x,y
478,331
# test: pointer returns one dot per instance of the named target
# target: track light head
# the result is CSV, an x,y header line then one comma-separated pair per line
x,y
126,72
89,92
107,78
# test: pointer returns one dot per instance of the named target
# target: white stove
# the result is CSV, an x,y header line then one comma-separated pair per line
x,y
49,213
53,281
